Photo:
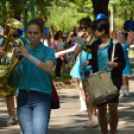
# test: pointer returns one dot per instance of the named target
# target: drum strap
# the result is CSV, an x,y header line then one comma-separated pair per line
x,y
113,52
112,58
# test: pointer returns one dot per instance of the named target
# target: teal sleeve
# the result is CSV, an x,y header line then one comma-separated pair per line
x,y
0,41
49,55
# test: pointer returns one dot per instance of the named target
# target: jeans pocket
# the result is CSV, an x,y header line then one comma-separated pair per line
x,y
22,98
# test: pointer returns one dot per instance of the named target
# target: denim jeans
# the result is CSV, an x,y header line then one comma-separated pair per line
x,y
33,112
83,76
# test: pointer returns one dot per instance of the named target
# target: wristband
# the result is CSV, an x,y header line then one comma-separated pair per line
x,y
34,60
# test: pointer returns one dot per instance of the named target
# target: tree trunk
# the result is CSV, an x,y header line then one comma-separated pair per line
x,y
100,6
17,15
17,8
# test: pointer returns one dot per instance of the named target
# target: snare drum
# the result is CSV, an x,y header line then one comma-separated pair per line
x,y
100,87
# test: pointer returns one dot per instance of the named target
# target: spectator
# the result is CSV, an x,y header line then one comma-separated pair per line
x,y
58,45
71,43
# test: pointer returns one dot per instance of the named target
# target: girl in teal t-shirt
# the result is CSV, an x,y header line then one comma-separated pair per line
x,y
127,70
34,99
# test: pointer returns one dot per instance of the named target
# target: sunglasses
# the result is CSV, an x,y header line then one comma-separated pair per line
x,y
83,28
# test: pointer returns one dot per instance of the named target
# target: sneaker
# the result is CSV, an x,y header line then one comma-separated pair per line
x,y
90,124
127,91
83,108
95,123
95,120
11,122
122,92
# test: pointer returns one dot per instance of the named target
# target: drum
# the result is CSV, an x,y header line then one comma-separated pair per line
x,y
100,87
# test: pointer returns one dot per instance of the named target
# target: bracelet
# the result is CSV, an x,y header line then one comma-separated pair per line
x,y
34,60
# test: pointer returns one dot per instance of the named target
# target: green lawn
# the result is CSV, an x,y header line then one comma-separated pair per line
x,y
132,65
66,77
131,52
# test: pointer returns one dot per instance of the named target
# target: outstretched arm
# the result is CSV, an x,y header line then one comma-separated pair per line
x,y
65,51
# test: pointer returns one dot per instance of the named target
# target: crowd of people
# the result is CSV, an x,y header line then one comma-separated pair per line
x,y
34,93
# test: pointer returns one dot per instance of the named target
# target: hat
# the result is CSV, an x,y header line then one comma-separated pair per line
x,y
45,31
20,31
128,25
101,16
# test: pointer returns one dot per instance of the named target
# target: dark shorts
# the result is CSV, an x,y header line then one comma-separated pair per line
x,y
10,95
117,82
83,76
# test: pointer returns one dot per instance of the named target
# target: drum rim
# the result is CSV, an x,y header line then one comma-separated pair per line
x,y
103,96
96,73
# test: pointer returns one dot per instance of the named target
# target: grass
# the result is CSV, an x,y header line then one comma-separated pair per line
x,y
132,65
66,74
66,77
131,52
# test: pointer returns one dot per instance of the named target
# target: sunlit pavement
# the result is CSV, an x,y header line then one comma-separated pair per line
x,y
68,119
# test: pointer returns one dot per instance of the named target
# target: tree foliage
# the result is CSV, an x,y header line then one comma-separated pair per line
x,y
123,10
64,14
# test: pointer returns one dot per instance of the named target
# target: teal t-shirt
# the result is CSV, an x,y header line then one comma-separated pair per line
x,y
102,56
84,57
32,78
0,41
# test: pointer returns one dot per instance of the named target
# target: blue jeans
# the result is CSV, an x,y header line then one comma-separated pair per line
x,y
33,112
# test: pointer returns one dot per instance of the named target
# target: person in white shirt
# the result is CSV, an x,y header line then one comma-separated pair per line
x,y
59,47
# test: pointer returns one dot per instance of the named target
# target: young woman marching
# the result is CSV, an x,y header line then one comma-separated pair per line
x,y
80,72
34,99
127,70
101,56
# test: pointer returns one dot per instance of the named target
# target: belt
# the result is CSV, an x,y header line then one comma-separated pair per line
x,y
28,91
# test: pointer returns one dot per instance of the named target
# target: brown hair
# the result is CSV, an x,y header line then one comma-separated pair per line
x,y
37,21
125,34
86,21
57,35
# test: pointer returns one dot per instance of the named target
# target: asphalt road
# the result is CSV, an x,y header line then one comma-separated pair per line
x,y
68,119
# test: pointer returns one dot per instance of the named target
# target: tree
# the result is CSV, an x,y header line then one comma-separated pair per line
x,y
100,6
123,10
64,18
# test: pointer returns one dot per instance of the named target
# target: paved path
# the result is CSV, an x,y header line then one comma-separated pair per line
x,y
68,119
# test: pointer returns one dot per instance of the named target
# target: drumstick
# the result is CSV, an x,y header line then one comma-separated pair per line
x,y
106,65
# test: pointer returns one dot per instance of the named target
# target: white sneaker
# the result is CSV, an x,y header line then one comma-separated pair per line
x,y
91,124
95,120
122,92
83,106
127,91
